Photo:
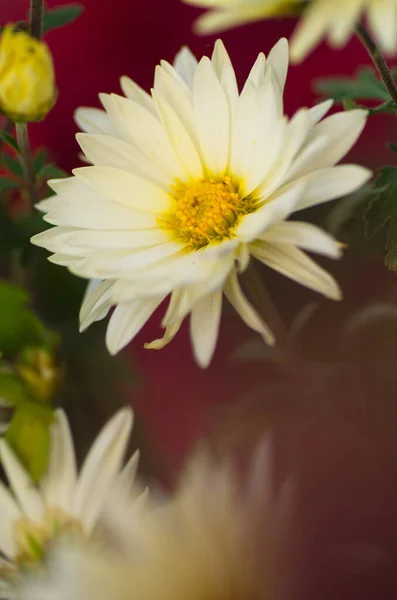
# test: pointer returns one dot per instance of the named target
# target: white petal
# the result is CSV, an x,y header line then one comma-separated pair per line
x,y
212,117
296,133
304,235
204,327
247,312
257,135
183,300
134,92
100,215
107,151
125,262
127,320
96,303
278,59
317,112
257,73
332,183
178,97
186,63
311,29
58,485
82,242
293,263
169,334
183,269
10,514
141,128
100,468
126,188
344,22
277,208
94,120
181,141
21,484
342,131
224,70
382,16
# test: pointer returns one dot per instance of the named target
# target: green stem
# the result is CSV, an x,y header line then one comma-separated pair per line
x,y
36,18
27,163
378,60
258,295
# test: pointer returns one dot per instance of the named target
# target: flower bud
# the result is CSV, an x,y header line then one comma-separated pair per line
x,y
27,80
37,368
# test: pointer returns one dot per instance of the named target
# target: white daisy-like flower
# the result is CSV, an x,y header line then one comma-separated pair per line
x,y
63,502
334,19
190,182
216,538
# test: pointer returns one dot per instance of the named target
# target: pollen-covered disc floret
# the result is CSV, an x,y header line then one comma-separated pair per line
x,y
186,185
34,539
206,210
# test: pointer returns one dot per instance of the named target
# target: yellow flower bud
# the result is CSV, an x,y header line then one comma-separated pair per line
x,y
27,80
36,366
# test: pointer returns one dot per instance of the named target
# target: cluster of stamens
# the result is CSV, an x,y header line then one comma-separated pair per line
x,y
33,539
205,210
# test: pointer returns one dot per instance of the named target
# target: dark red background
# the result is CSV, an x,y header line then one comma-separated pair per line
x,y
336,423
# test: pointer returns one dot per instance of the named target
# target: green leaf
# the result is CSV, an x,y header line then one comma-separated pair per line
x,y
19,326
382,210
7,184
9,140
39,161
12,164
12,388
51,171
9,235
61,16
364,86
29,437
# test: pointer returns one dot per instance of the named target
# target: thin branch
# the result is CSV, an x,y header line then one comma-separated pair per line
x,y
36,18
27,162
378,60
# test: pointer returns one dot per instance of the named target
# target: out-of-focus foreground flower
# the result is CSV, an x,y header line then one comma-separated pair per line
x,y
212,540
64,503
27,79
186,185
335,19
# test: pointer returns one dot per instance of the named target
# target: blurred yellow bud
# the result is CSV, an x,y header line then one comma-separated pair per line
x,y
36,366
27,79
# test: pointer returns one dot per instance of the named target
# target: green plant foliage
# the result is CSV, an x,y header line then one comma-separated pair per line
x,y
382,210
29,436
12,388
19,326
9,140
11,164
61,16
365,85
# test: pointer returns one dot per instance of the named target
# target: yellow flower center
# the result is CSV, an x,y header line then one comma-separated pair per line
x,y
206,210
33,539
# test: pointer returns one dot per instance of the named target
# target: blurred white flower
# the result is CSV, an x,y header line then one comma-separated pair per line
x,y
64,503
215,539
334,19
187,185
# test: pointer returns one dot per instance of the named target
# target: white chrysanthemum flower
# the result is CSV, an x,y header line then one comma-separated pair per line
x,y
215,539
63,502
335,19
186,185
